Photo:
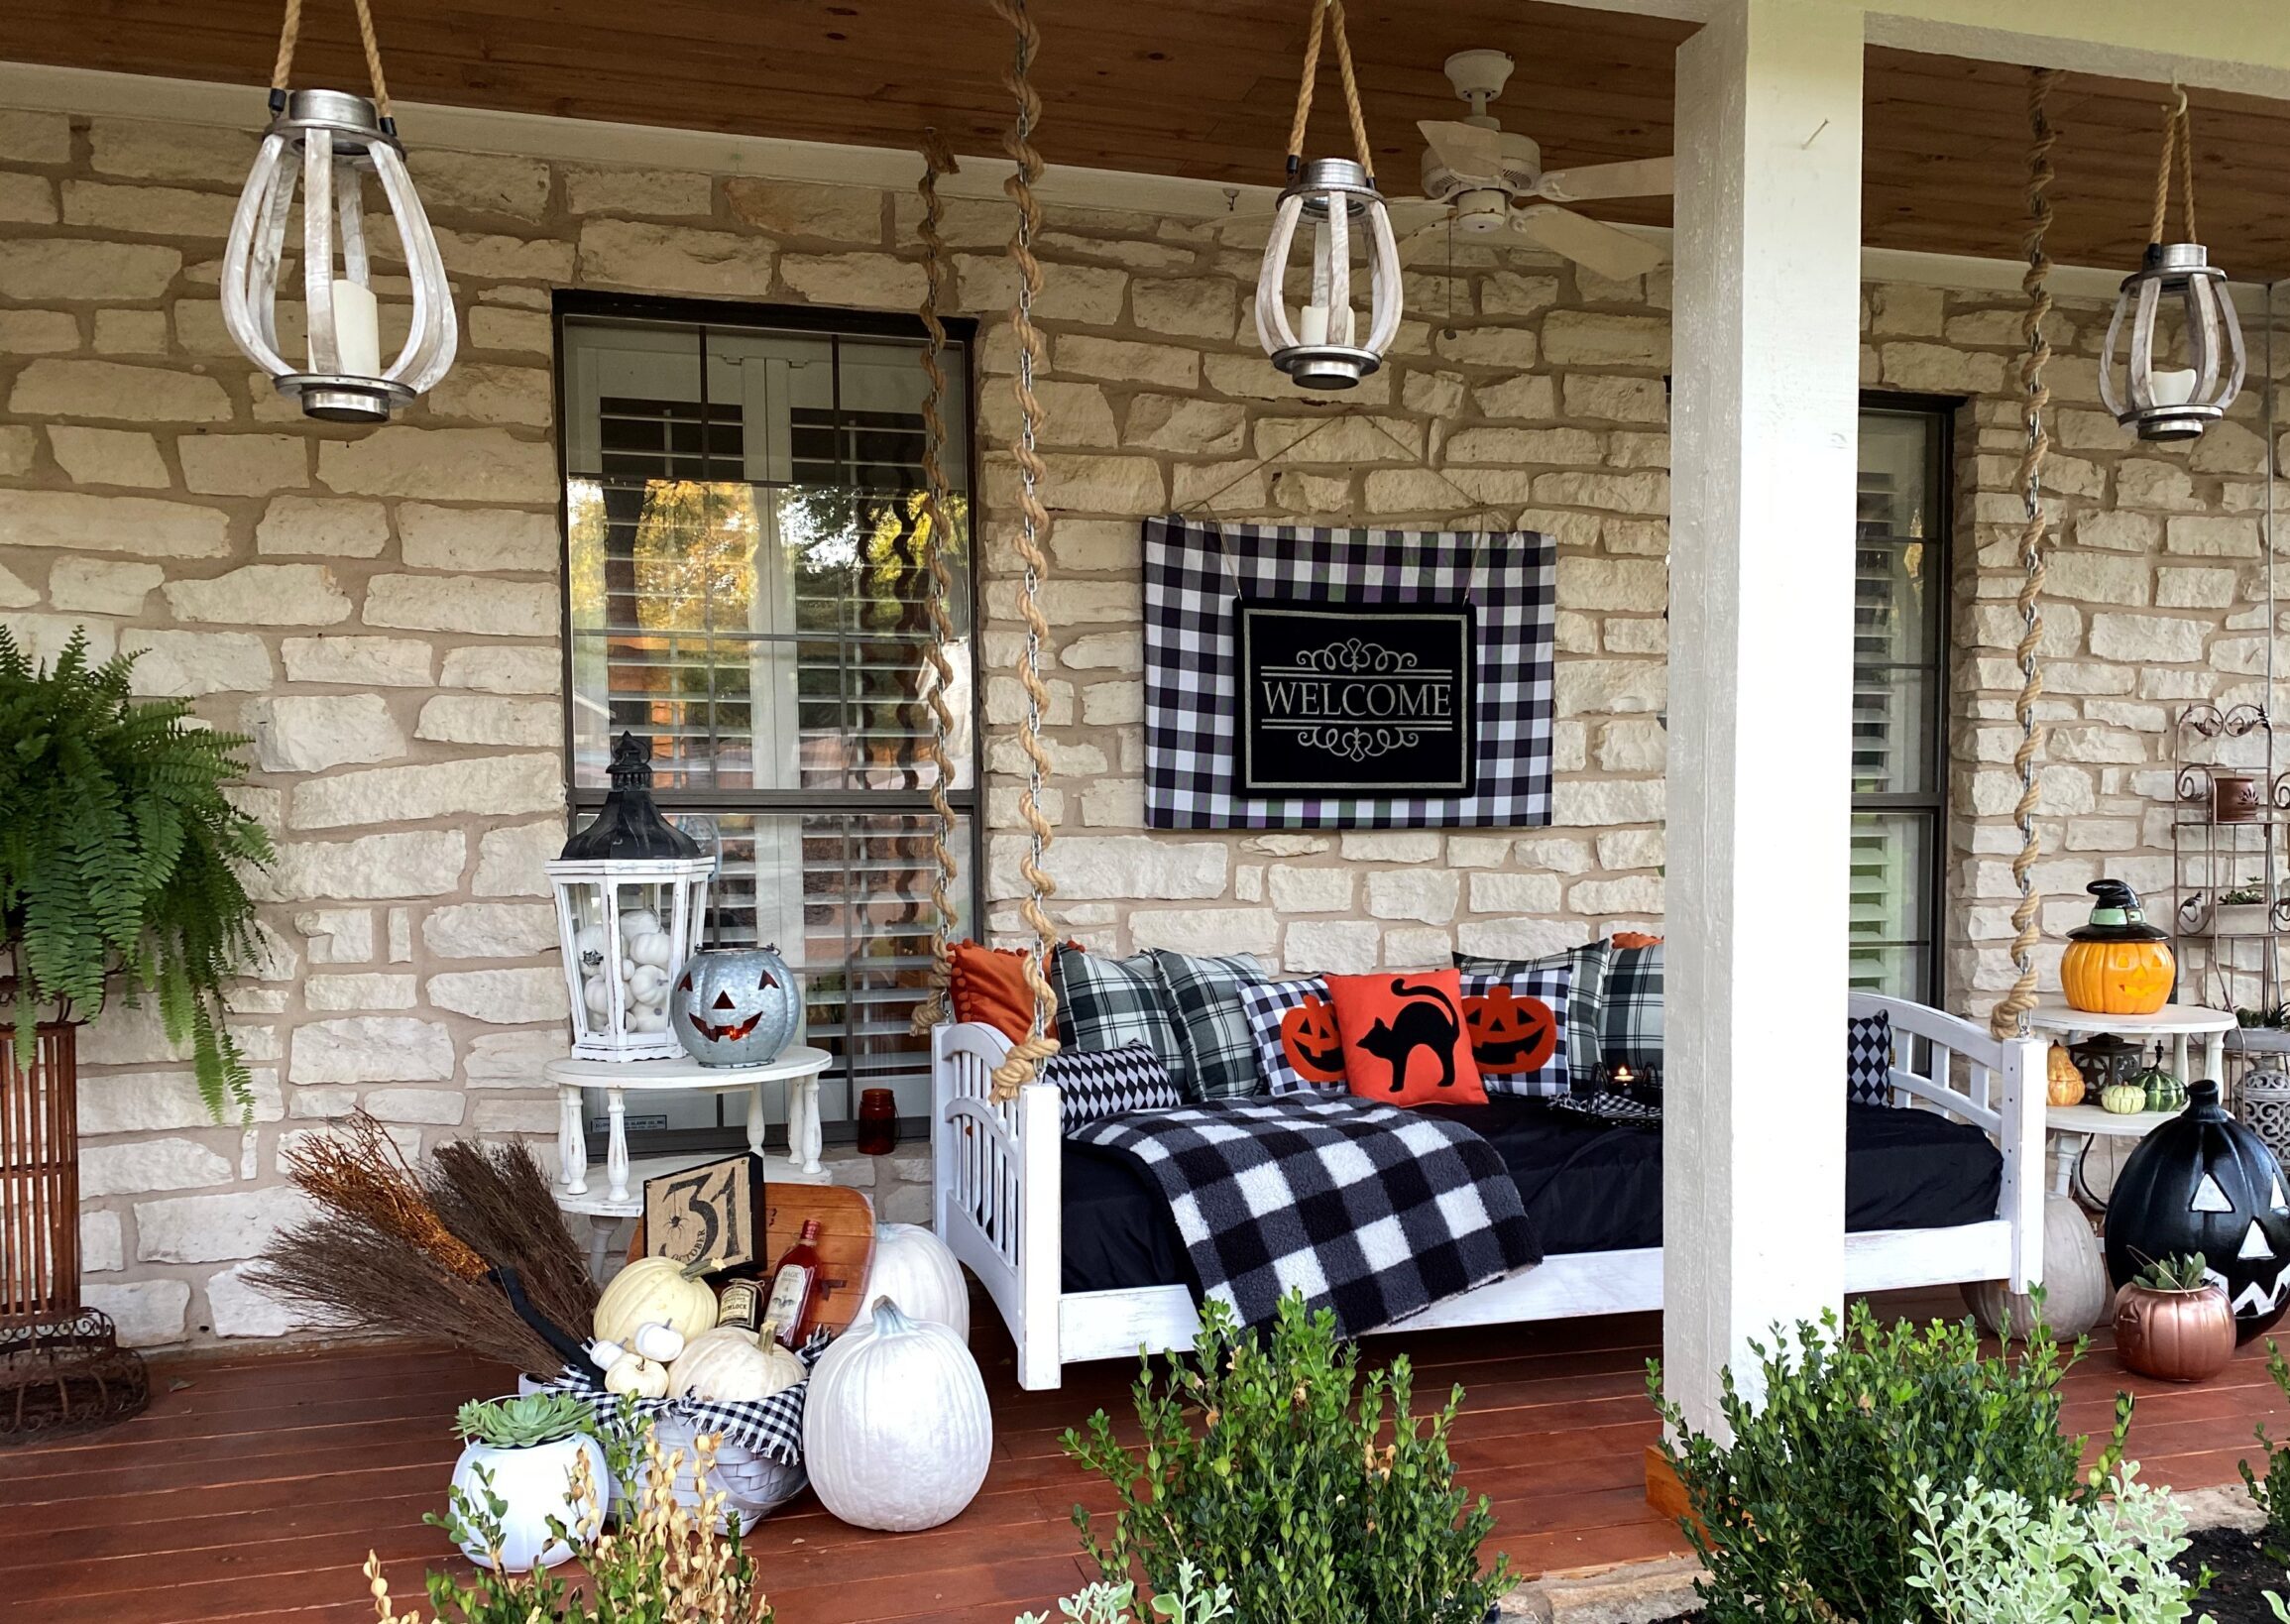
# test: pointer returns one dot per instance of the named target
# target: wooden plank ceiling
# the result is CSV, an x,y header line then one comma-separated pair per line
x,y
1203,89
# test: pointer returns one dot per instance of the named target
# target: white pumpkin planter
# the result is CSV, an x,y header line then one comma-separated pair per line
x,y
914,1269
537,1483
896,1431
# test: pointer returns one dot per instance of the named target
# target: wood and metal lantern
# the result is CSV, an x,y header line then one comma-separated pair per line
x,y
2166,390
632,895
1324,348
62,1369
325,143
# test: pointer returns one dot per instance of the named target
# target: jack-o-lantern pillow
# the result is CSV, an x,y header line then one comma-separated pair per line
x,y
1298,1048
1407,1039
1518,1028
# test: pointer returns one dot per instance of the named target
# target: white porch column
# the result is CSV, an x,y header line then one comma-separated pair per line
x,y
1764,425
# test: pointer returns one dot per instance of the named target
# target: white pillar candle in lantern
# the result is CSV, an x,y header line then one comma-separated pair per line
x,y
2160,401
631,897
1318,350
325,143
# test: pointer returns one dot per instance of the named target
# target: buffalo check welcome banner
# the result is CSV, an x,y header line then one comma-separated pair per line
x,y
1479,608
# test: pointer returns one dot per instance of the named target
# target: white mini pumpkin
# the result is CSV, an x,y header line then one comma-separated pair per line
x,y
913,1268
637,1377
655,1291
729,1366
896,1431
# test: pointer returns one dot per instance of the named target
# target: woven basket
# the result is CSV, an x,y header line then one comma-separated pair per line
x,y
754,1486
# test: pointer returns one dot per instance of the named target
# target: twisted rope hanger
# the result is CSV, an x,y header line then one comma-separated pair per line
x,y
291,34
1040,1042
2009,1016
2179,136
935,269
1323,13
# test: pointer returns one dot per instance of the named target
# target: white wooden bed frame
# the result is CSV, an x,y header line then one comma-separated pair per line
x,y
997,1204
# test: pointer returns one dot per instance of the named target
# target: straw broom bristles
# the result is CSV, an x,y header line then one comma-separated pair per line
x,y
498,1199
359,1173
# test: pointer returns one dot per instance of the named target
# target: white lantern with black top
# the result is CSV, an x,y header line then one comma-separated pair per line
x,y
631,897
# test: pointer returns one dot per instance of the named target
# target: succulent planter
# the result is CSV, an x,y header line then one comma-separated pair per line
x,y
2174,1335
536,1481
2238,919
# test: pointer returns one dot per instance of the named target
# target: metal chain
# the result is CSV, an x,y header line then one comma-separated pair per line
x,y
1040,1042
2009,1016
936,161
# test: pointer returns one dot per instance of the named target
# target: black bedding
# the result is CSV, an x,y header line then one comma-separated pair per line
x,y
1587,1188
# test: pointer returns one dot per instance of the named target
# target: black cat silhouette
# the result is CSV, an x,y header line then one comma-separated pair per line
x,y
1434,1025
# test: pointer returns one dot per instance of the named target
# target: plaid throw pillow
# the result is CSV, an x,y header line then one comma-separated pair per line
x,y
1586,995
1205,995
1869,1059
1108,1004
1633,1020
1519,1031
1298,1048
1094,1085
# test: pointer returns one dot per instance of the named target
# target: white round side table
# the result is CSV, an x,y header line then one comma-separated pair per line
x,y
2176,1023
798,1066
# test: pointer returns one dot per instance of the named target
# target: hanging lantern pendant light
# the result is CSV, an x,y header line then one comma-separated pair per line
x,y
1338,196
328,142
2173,403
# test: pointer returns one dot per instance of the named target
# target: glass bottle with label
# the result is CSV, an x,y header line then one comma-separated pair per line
x,y
795,1287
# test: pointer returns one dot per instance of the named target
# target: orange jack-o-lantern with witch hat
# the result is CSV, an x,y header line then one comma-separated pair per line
x,y
2119,964
1511,1032
1309,1040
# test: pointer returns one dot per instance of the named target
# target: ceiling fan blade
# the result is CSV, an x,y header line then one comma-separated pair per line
x,y
1465,149
1613,254
1423,243
1641,177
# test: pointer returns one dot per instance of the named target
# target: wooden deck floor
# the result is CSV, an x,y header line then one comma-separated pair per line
x,y
257,1482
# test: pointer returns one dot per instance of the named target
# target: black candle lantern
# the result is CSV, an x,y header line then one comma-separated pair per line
x,y
1641,1082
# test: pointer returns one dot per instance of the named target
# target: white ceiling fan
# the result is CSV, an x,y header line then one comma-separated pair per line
x,y
1484,179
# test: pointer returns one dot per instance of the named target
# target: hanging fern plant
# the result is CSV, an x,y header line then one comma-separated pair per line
x,y
120,857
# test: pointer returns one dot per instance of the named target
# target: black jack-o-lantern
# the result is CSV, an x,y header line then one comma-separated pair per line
x,y
2205,1183
1307,1037
1511,1032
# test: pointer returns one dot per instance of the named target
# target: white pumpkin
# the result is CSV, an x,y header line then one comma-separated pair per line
x,y
2076,1291
896,1431
637,1377
655,1291
913,1268
730,1367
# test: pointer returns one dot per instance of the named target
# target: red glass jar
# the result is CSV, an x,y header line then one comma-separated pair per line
x,y
878,1122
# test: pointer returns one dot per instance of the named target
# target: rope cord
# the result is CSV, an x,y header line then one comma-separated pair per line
x,y
290,36
2009,1016
1472,505
2178,137
935,269
1323,12
1040,1042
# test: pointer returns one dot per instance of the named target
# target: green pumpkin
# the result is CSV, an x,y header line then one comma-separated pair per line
x,y
2163,1091
2124,1098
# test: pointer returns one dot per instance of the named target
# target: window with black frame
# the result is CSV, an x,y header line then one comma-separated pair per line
x,y
1900,697
747,586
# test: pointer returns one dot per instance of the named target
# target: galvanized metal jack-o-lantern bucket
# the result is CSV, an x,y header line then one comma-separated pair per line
x,y
734,1006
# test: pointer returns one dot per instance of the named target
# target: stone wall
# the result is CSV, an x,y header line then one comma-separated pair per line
x,y
380,610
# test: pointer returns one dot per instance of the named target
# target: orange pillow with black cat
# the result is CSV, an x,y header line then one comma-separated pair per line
x,y
1405,1041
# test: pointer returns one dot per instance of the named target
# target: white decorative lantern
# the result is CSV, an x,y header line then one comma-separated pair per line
x,y
2167,402
632,893
330,142
1321,348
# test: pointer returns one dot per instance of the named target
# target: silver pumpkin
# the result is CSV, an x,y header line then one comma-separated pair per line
x,y
734,1006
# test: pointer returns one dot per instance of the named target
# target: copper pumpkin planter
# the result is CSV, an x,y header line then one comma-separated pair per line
x,y
2174,1335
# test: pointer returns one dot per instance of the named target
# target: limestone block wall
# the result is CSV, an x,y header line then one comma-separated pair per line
x,y
380,610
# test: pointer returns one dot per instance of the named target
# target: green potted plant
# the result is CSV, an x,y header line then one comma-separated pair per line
x,y
2240,911
520,1458
121,856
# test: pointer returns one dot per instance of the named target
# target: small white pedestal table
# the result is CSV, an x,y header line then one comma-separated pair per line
x,y
2071,1128
622,1196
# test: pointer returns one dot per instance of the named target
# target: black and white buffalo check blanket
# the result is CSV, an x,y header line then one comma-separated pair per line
x,y
770,1427
1370,1211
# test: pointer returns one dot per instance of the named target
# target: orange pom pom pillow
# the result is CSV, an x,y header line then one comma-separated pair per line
x,y
988,986
1405,1039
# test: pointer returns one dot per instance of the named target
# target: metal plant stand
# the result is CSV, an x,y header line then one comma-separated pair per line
x,y
2229,870
62,1369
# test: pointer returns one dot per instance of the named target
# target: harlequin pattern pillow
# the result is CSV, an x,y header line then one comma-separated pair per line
x,y
1108,1004
1518,1030
1108,1083
1632,1034
1203,993
1405,1038
1298,1049
1586,995
1869,1059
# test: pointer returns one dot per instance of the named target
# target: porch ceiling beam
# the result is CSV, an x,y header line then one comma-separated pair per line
x,y
1764,426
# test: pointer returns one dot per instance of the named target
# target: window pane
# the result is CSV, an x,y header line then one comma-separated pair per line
x,y
1890,902
1897,609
